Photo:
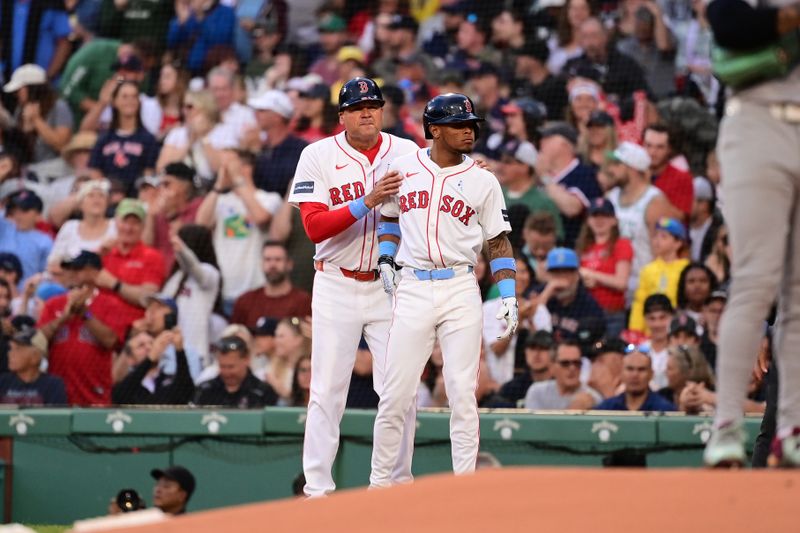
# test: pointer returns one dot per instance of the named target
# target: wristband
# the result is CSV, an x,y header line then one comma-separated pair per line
x,y
358,208
387,248
503,263
507,288
389,228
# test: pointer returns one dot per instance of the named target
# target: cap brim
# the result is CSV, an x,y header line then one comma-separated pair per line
x,y
157,474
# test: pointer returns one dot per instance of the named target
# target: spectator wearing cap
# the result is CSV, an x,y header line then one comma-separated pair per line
x,y
484,83
131,269
263,342
637,371
658,313
11,272
332,36
532,78
317,116
705,219
40,114
24,384
195,284
569,183
278,155
147,383
19,235
558,393
237,117
618,74
565,296
683,331
60,195
517,179
173,489
200,139
437,33
637,203
361,394
161,315
278,298
197,28
537,369
93,229
132,21
175,205
39,34
605,262
472,47
83,327
235,386
607,360
652,46
599,138
352,63
584,99
257,43
126,150
712,311
661,275
239,215
669,170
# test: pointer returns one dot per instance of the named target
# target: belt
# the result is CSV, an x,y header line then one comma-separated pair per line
x,y
358,275
441,273
785,112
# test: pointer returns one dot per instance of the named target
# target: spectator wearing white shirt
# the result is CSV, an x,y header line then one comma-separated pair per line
x,y
238,117
559,392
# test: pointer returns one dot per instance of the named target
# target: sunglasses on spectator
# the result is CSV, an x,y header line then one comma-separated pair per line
x,y
576,363
641,348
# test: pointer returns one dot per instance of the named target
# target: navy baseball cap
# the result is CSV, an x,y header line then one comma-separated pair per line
x,y
600,118
84,259
602,206
658,302
163,299
26,200
265,326
562,259
10,263
179,474
562,129
403,22
683,324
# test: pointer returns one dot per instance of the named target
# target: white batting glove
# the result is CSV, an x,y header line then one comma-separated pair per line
x,y
510,313
388,272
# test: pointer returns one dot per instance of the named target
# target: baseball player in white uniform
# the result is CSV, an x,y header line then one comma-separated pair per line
x,y
444,211
339,183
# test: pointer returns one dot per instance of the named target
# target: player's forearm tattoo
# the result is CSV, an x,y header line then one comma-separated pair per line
x,y
500,246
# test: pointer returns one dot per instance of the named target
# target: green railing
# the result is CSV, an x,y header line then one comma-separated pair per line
x,y
65,464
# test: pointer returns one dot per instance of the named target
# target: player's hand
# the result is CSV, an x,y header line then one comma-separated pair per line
x,y
388,271
510,313
387,186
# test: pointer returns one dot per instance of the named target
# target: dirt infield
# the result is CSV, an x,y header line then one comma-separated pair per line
x,y
544,500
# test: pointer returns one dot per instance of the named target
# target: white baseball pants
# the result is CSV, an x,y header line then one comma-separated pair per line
x,y
342,309
451,311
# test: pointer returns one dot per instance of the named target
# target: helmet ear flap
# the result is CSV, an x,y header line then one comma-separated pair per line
x,y
427,127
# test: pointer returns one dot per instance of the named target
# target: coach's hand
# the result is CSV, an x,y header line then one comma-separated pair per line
x,y
386,187
388,271
510,313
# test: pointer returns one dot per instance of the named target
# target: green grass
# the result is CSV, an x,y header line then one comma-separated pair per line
x,y
47,529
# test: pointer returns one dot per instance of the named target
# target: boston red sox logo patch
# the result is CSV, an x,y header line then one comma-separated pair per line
x,y
467,105
363,87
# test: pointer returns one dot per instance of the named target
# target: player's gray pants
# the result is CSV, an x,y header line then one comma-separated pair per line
x,y
760,164
342,309
451,311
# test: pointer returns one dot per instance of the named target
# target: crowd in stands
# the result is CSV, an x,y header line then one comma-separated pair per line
x,y
148,254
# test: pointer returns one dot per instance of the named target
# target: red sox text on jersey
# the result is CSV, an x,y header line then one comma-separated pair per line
x,y
420,200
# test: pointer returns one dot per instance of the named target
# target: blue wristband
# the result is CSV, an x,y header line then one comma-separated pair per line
x,y
389,228
508,288
387,248
503,263
358,208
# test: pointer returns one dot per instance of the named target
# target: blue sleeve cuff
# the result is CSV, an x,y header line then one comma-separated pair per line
x,y
358,208
387,248
503,263
507,288
389,228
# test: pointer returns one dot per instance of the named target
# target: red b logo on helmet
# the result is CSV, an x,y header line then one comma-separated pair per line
x,y
363,87
467,105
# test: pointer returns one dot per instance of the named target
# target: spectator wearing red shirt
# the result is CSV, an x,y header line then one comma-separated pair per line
x,y
131,270
278,298
669,173
83,328
605,263
175,205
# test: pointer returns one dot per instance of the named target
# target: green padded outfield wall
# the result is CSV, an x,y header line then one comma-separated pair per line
x,y
67,464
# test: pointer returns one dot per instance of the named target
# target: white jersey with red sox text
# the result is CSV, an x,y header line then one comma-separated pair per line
x,y
332,172
445,213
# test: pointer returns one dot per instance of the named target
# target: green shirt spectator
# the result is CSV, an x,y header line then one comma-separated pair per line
x,y
86,72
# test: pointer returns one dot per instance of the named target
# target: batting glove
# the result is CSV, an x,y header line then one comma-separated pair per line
x,y
509,312
388,271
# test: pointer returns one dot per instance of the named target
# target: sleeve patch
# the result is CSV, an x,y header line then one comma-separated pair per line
x,y
304,187
504,212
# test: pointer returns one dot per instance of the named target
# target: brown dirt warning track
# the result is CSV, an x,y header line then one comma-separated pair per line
x,y
541,500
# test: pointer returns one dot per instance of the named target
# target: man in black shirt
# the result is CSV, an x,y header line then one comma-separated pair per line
x,y
361,394
25,384
533,79
235,386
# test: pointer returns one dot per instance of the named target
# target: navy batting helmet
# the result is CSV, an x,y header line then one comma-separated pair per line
x,y
450,108
359,90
